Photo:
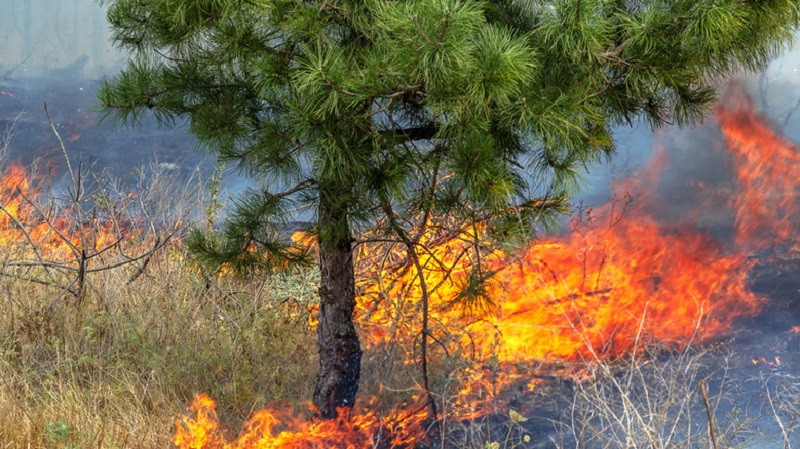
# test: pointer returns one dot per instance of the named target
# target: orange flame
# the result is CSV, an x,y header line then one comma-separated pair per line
x,y
25,221
269,429
591,294
767,167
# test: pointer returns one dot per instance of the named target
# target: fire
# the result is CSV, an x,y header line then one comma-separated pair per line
x,y
620,277
671,279
269,429
767,168
771,364
25,221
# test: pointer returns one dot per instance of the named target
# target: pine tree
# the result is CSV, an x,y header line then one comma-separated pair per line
x,y
472,110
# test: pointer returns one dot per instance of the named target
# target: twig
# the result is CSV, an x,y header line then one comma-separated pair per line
x,y
75,251
421,31
27,279
30,240
704,393
125,262
141,269
425,332
776,415
61,143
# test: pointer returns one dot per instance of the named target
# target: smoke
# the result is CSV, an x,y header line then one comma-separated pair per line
x,y
64,40
57,51
696,174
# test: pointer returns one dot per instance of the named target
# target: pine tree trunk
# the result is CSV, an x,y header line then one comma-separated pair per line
x,y
337,341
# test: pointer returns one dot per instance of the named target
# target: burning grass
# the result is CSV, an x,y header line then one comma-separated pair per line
x,y
565,304
106,333
111,364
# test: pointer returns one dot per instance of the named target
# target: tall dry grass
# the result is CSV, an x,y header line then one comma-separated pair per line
x,y
114,369
111,365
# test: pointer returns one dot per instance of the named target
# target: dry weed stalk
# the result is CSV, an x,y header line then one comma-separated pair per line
x,y
781,394
654,401
655,397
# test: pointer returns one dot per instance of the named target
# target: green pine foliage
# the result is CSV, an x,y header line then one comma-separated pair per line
x,y
468,109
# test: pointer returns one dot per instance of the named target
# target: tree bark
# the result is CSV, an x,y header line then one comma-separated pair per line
x,y
337,341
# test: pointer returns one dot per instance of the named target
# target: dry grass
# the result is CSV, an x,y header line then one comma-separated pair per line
x,y
112,365
115,369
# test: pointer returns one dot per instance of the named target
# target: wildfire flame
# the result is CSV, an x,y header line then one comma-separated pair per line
x,y
589,294
30,219
53,234
767,168
269,429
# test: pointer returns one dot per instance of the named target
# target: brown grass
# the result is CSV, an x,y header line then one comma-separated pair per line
x,y
114,370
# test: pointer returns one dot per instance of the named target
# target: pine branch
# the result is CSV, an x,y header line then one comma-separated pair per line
x,y
400,135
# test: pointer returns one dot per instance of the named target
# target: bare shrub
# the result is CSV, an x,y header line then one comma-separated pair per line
x,y
780,406
95,224
657,398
